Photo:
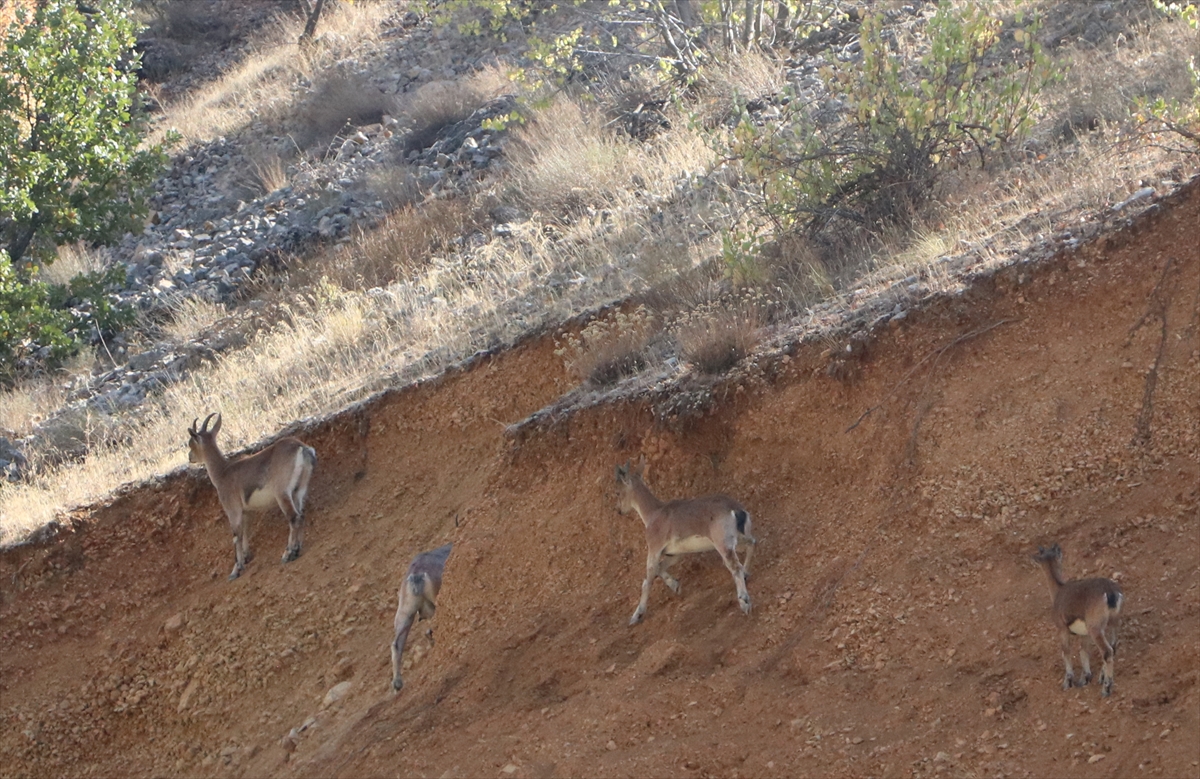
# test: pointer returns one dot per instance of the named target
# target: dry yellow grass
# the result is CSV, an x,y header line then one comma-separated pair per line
x,y
191,316
339,345
432,106
261,86
565,161
742,76
28,403
72,260
610,218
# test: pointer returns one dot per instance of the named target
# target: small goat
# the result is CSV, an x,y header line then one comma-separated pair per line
x,y
1083,607
418,596
683,527
277,475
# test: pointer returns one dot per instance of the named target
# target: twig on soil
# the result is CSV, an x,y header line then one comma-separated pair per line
x,y
17,572
1160,299
934,354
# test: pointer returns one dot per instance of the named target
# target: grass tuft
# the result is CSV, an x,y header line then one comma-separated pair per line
x,y
610,349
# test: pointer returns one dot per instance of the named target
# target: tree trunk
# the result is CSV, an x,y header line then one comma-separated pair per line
x,y
310,27
20,245
687,13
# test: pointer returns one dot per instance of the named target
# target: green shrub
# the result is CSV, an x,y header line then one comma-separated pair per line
x,y
42,324
877,162
1181,117
70,170
70,166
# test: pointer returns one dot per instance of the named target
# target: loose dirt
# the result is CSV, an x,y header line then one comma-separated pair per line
x,y
899,625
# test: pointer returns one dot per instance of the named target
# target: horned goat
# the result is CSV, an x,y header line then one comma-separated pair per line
x,y
277,475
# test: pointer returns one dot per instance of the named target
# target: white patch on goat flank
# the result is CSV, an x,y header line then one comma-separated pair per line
x,y
1078,627
297,470
688,545
260,499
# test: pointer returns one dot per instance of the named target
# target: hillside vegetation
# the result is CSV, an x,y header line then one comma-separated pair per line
x,y
409,189
918,283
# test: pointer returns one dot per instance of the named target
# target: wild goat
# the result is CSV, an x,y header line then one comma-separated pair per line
x,y
1083,607
278,475
418,596
683,527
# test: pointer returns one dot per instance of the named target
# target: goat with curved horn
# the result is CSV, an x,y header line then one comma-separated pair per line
x,y
277,475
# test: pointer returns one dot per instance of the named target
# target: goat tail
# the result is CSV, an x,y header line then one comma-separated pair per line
x,y
416,583
1115,599
310,455
742,518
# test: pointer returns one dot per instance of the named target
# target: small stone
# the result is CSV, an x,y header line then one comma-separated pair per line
x,y
611,745
509,769
1095,758
174,623
336,693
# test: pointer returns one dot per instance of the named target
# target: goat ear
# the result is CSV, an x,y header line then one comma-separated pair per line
x,y
192,429
622,472
216,425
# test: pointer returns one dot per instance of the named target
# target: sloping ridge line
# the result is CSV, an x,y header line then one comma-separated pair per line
x,y
714,388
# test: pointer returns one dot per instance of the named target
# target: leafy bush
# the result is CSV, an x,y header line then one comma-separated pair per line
x,y
70,167
876,161
1181,117
44,323
677,37
70,170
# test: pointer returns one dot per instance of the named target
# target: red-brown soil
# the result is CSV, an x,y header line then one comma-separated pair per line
x,y
899,627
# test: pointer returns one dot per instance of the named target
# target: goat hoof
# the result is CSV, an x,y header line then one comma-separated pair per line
x,y
1068,682
236,573
290,555
745,604
635,619
1085,680
397,684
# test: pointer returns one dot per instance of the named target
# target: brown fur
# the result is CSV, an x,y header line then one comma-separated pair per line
x,y
683,527
418,600
1093,605
280,472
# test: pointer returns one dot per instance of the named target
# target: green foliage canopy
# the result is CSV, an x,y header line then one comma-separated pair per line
x,y
70,166
70,170
901,118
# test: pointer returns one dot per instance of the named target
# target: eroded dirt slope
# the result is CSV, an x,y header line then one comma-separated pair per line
x,y
899,626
